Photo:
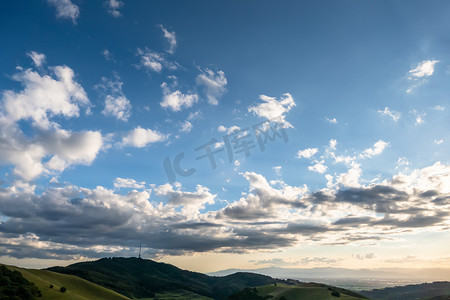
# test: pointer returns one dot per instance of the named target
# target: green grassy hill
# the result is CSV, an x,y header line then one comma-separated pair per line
x,y
77,288
143,278
301,291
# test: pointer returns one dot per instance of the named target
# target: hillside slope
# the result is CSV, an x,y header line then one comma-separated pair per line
x,y
300,291
142,278
77,288
435,290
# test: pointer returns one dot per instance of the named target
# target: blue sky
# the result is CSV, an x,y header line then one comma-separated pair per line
x,y
96,95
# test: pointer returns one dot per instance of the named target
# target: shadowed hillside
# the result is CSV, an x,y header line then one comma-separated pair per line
x,y
142,278
436,290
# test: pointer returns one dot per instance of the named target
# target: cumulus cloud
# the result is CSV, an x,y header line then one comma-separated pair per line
x,y
390,113
71,147
318,167
175,100
141,137
307,153
274,109
331,121
65,9
377,149
424,69
44,96
268,216
116,103
170,36
128,183
228,130
213,84
186,126
113,7
420,73
154,61
38,58
50,149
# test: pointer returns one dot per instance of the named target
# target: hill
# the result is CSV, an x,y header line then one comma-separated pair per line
x,y
298,291
435,290
77,288
143,278
14,286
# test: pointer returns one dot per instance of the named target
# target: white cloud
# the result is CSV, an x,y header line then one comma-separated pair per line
x,y
213,84
116,103
318,167
424,69
393,114
377,149
175,100
439,107
420,73
274,109
140,137
71,148
113,7
194,115
419,117
44,97
277,170
228,130
333,144
438,142
38,58
65,9
107,54
154,61
186,126
171,38
331,121
128,183
191,202
351,177
307,153
119,107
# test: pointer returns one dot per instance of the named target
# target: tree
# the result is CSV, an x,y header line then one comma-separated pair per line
x,y
335,293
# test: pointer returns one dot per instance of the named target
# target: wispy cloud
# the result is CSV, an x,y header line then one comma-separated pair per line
x,y
65,9
170,36
213,84
390,113
113,7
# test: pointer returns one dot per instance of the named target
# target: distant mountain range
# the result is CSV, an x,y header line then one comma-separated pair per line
x,y
430,274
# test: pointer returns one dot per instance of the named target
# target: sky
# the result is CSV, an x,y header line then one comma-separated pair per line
x,y
225,134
